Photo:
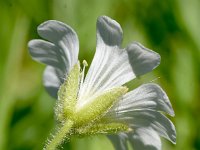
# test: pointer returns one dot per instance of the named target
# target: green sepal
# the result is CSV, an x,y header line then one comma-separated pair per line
x,y
102,128
98,106
67,94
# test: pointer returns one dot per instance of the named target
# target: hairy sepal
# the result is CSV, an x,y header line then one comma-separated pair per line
x,y
102,128
67,95
98,106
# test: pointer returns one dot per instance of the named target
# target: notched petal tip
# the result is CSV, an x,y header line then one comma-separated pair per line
x,y
54,30
169,131
32,43
109,31
33,46
173,138
172,133
46,53
47,25
167,107
142,59
164,96
50,24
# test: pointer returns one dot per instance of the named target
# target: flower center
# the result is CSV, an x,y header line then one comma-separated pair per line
x,y
87,119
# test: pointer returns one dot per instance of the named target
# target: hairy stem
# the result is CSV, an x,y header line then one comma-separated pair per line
x,y
60,136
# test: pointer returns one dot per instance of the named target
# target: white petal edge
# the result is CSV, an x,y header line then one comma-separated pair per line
x,y
113,66
142,59
59,51
145,139
109,32
149,118
52,79
47,53
147,96
119,141
63,36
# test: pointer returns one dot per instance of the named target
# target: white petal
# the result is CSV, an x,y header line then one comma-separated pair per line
x,y
64,37
113,66
148,118
63,51
109,32
142,60
60,51
47,53
145,139
147,96
119,141
52,79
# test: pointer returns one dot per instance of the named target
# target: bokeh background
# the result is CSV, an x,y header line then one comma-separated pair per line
x,y
170,27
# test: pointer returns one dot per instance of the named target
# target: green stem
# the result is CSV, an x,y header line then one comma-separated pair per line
x,y
60,136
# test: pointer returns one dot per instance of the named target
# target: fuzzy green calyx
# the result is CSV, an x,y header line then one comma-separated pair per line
x,y
81,119
98,106
67,94
95,107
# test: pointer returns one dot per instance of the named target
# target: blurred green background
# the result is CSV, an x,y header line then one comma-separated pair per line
x,y
170,27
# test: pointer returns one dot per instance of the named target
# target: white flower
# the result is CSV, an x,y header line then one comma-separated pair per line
x,y
99,98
